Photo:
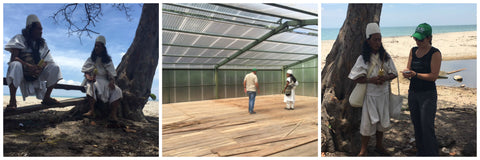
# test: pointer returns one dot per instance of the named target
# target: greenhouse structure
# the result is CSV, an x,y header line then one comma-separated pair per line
x,y
208,48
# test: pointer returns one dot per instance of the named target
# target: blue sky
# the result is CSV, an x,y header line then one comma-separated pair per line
x,y
394,14
68,51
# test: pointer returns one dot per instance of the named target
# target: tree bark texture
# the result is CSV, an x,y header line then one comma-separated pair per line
x,y
137,68
340,122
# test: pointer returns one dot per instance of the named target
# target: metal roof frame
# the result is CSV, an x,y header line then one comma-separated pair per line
x,y
288,25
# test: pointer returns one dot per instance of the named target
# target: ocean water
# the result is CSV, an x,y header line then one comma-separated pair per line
x,y
469,75
331,33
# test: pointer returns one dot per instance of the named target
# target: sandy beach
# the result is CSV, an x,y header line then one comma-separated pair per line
x,y
454,45
150,109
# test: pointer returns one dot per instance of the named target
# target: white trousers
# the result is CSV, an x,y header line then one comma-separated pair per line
x,y
50,76
290,104
102,90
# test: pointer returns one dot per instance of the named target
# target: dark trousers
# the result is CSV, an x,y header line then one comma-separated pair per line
x,y
423,106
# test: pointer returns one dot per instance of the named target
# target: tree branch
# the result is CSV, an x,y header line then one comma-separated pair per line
x,y
80,23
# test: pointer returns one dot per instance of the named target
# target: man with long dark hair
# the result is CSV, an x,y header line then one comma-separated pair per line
x,y
100,79
375,68
31,65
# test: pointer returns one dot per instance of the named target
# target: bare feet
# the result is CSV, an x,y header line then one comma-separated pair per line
x,y
362,154
90,113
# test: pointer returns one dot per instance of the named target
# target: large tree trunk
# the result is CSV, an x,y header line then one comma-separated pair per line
x,y
136,71
340,122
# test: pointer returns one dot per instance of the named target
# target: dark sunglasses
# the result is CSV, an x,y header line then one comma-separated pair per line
x,y
418,39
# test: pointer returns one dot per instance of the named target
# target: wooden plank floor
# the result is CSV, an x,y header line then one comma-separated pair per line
x,y
225,128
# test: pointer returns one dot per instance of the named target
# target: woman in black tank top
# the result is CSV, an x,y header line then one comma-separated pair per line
x,y
422,69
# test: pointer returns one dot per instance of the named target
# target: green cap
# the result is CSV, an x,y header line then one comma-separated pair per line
x,y
254,69
423,30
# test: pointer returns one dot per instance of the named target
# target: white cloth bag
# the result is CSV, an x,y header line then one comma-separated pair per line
x,y
358,94
396,101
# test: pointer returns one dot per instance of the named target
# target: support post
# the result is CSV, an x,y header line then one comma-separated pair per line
x,y
216,83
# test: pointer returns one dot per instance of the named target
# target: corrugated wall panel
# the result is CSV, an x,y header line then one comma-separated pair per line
x,y
195,85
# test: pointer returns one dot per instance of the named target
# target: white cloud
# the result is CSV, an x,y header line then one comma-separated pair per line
x,y
69,62
122,54
6,39
6,57
69,82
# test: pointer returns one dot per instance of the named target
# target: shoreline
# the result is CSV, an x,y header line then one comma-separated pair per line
x,y
453,45
151,108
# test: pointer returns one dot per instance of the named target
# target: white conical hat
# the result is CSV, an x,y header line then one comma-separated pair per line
x,y
32,18
289,71
101,39
372,28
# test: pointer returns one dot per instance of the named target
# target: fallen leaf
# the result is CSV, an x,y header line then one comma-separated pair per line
x,y
95,145
93,123
323,154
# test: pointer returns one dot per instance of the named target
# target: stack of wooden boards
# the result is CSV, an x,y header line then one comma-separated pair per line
x,y
225,128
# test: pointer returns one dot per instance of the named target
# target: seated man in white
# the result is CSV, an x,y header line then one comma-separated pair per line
x,y
100,79
31,65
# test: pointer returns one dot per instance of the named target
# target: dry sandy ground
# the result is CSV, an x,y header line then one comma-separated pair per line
x,y
457,107
45,133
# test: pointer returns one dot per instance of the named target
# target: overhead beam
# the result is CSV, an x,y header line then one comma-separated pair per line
x,y
235,37
266,36
221,57
190,63
199,16
177,45
207,34
220,13
304,60
194,56
293,9
282,52
256,12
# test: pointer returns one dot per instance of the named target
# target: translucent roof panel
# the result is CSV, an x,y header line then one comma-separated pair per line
x,y
249,62
282,47
188,39
190,60
219,12
186,51
249,67
186,66
185,23
294,38
269,9
279,56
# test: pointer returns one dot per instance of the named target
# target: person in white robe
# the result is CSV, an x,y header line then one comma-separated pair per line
x,y
31,66
99,79
290,86
375,110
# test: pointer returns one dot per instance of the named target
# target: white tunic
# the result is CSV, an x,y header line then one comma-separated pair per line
x,y
375,110
48,77
102,89
292,95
